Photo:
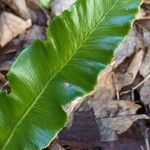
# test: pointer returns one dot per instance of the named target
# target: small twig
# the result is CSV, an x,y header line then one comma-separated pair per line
x,y
136,87
141,83
125,92
6,85
116,87
142,27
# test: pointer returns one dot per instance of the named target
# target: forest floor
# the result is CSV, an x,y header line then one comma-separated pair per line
x,y
116,115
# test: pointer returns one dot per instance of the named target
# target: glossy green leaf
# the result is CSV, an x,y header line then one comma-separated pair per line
x,y
80,44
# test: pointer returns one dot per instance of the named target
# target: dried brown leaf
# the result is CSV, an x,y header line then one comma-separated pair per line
x,y
133,68
145,68
11,26
111,127
20,7
127,48
5,66
145,93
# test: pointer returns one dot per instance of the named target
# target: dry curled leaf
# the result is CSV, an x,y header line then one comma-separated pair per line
x,y
111,127
145,93
91,123
20,7
126,74
5,66
34,4
127,48
147,1
145,68
32,34
133,68
115,118
11,26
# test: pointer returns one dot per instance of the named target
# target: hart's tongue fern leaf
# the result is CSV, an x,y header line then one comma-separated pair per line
x,y
80,44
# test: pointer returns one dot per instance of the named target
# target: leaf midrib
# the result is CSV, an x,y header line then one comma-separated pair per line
x,y
45,87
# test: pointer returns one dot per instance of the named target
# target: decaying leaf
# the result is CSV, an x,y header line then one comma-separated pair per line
x,y
145,68
20,7
133,68
34,4
5,66
101,112
109,120
111,127
58,6
117,108
127,48
93,122
55,146
145,93
105,90
126,75
29,36
147,1
146,36
11,26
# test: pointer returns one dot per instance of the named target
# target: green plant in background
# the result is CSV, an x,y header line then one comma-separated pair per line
x,y
45,3
80,44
